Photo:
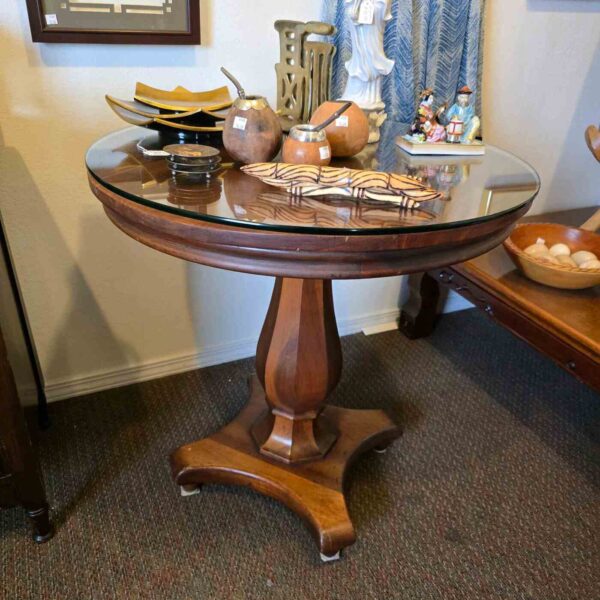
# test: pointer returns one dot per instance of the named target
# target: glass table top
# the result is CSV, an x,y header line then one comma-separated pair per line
x,y
474,188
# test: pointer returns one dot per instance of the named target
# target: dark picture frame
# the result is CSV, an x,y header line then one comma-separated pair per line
x,y
41,32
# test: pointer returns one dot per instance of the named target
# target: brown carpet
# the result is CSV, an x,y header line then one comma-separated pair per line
x,y
492,491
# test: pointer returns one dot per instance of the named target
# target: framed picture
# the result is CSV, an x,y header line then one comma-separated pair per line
x,y
115,21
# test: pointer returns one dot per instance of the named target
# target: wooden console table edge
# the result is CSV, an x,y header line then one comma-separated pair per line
x,y
565,351
528,310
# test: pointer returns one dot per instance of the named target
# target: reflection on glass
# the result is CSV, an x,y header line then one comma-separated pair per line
x,y
233,197
491,195
192,194
440,172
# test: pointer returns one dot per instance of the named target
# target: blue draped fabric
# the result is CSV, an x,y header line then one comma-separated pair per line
x,y
435,44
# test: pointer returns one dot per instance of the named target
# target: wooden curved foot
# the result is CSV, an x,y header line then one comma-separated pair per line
x,y
314,489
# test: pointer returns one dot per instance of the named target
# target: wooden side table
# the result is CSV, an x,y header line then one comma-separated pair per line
x,y
562,324
287,442
20,476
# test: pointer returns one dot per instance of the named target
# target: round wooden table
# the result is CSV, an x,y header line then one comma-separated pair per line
x,y
286,442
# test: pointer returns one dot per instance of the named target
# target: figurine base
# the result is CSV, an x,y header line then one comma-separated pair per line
x,y
440,148
376,118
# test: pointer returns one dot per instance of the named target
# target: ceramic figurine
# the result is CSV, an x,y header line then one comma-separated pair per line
x,y
463,124
369,64
437,132
455,130
427,126
424,116
428,136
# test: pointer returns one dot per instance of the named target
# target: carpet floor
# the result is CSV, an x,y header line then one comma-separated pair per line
x,y
491,492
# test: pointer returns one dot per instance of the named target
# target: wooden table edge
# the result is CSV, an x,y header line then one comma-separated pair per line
x,y
582,343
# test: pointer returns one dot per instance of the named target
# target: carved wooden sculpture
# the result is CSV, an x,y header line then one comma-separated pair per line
x,y
309,180
318,56
304,70
592,137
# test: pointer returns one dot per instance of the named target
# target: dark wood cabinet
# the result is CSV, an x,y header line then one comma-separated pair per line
x,y
20,476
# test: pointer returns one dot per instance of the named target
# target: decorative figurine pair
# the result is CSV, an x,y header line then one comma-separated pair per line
x,y
444,131
463,124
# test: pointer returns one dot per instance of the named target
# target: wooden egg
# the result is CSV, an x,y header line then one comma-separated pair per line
x,y
583,256
349,133
560,250
563,259
590,264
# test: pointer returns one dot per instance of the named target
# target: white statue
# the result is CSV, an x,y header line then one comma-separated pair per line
x,y
368,64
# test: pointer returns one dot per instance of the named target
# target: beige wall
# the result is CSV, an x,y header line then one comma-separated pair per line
x,y
542,88
105,309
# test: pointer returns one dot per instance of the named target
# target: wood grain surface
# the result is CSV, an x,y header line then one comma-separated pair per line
x,y
287,443
305,255
314,490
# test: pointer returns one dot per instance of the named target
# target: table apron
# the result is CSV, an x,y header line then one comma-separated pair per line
x,y
302,255
306,263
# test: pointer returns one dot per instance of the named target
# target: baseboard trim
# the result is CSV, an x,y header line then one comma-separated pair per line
x,y
215,355
106,380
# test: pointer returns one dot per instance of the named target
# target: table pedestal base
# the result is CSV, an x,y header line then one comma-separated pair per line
x,y
312,489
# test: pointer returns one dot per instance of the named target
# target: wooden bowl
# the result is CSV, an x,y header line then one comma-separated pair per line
x,y
558,276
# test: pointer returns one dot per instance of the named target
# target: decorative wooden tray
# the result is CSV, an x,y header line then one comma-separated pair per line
x,y
179,112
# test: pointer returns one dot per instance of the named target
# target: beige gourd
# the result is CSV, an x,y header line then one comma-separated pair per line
x,y
566,260
537,249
